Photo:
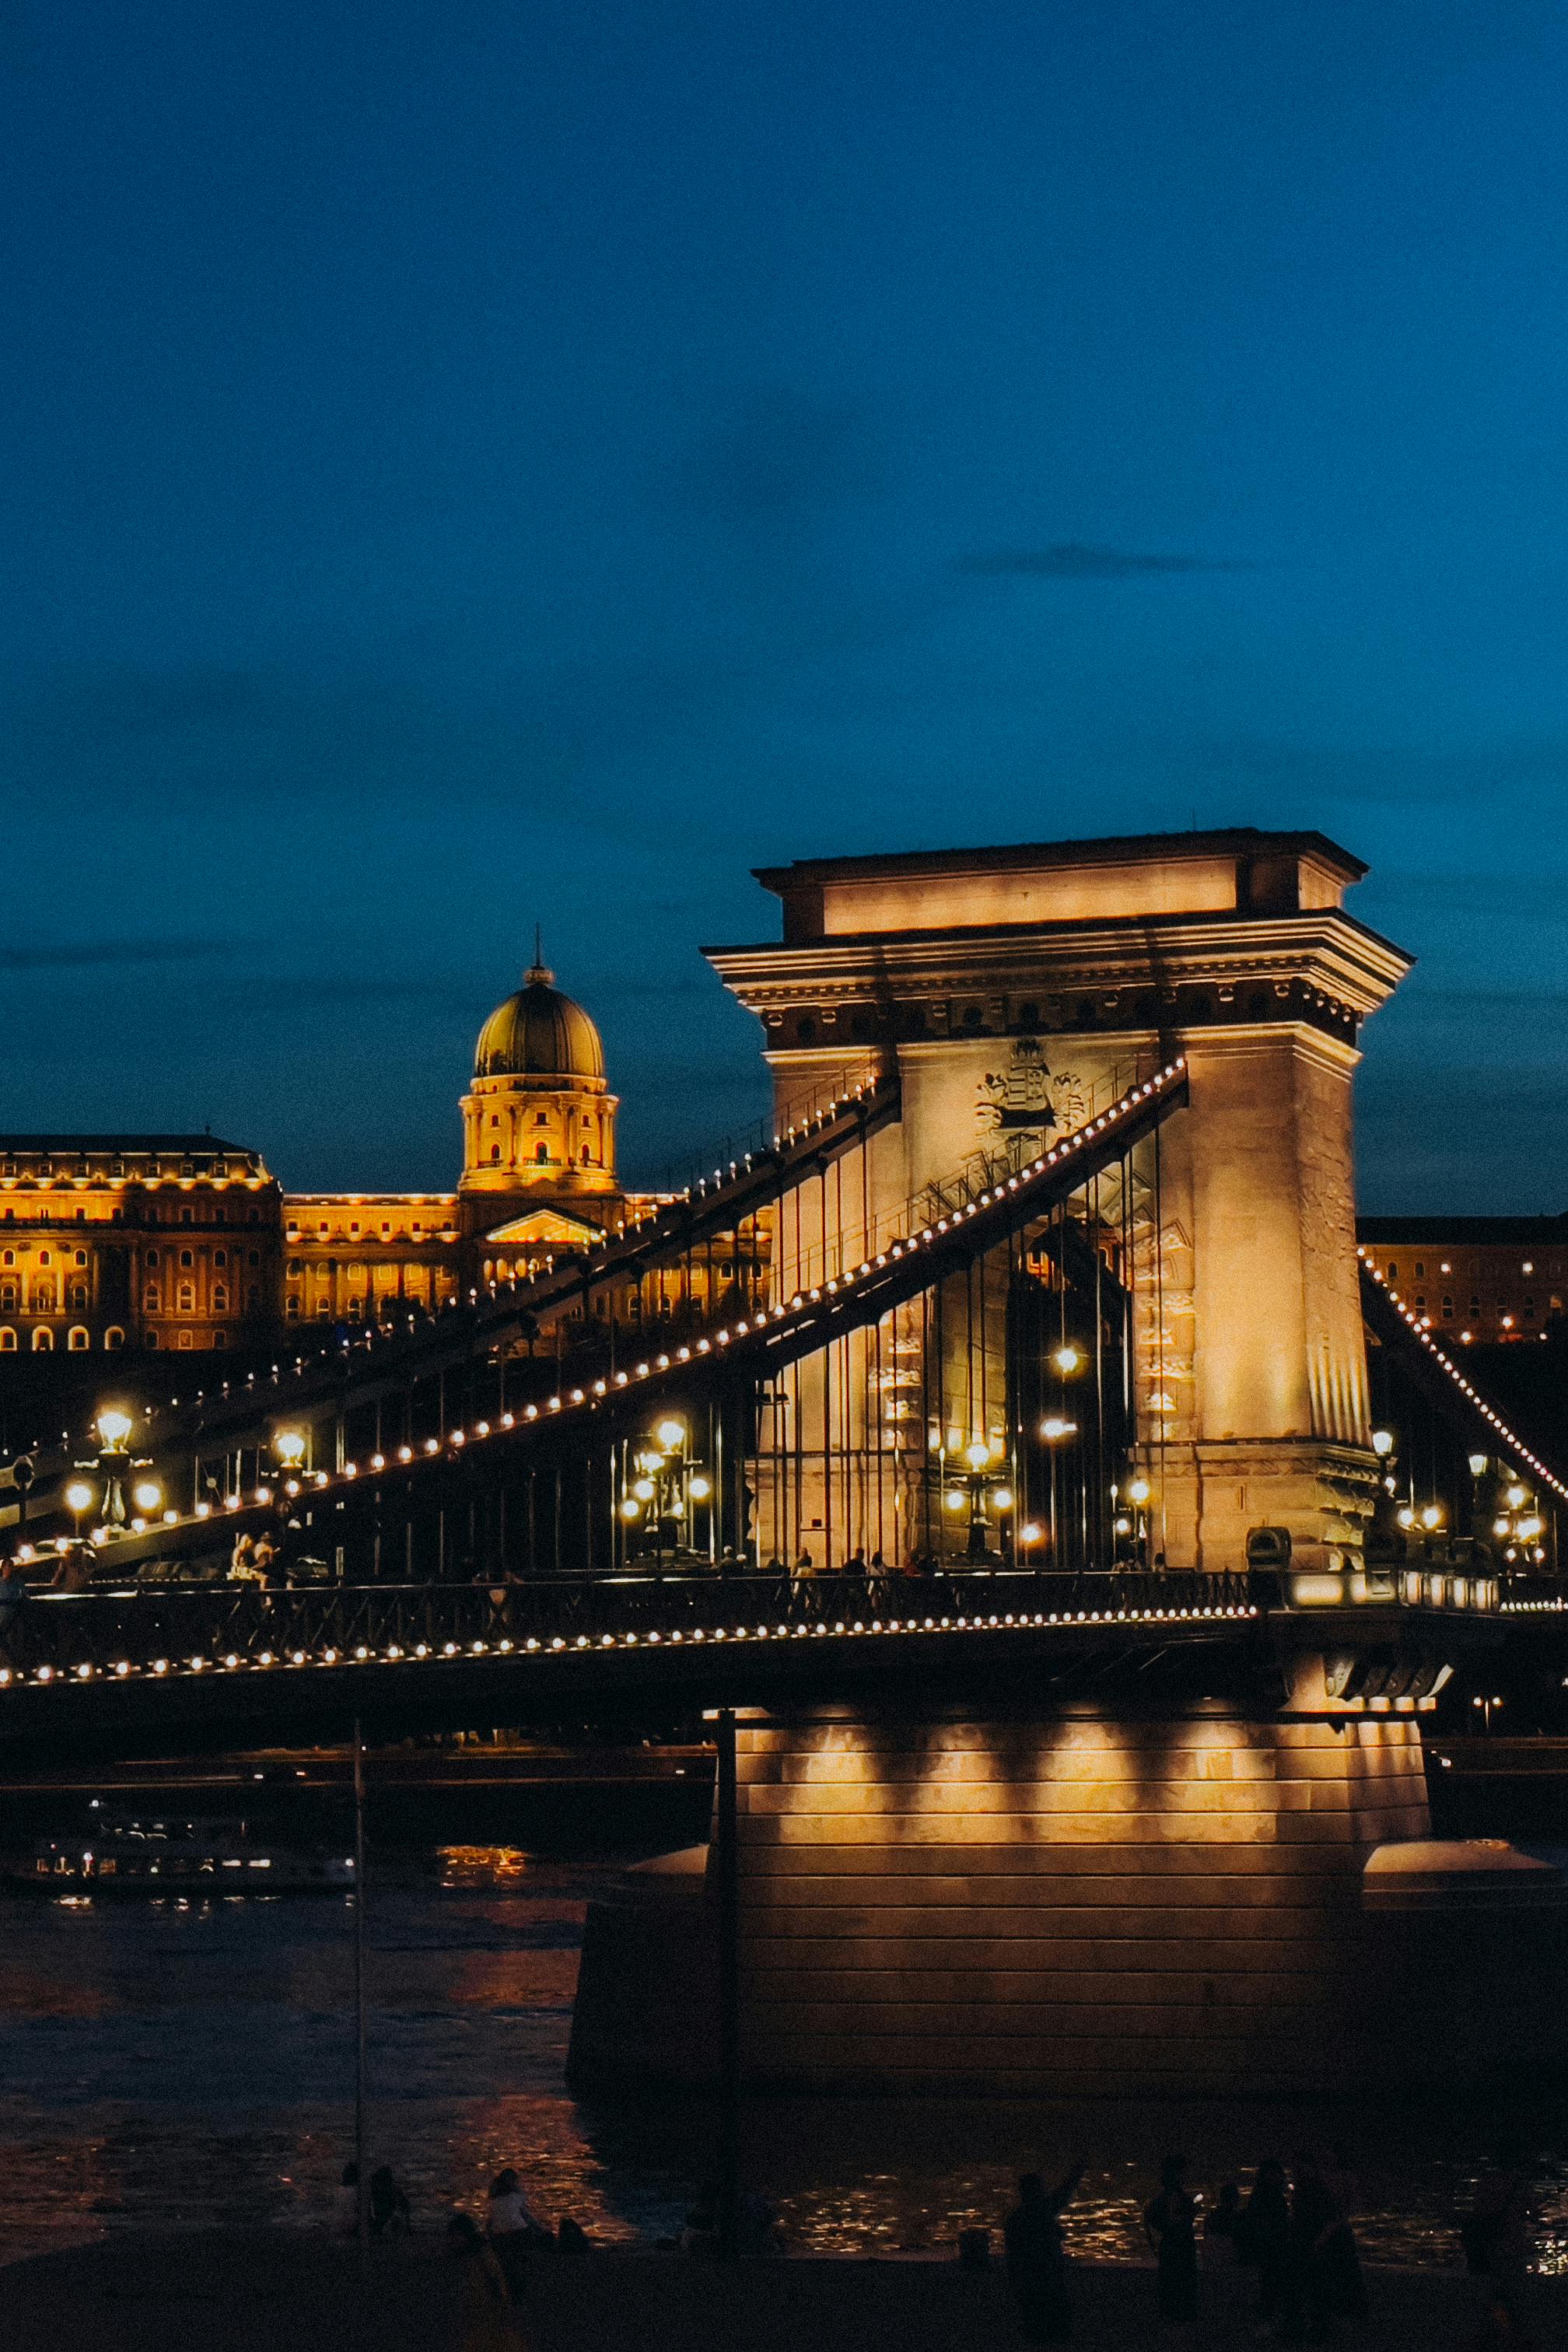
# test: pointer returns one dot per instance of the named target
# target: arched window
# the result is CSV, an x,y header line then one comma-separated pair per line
x,y
584,1155
153,1298
43,1341
187,1302
81,1257
542,1154
495,1152
43,1298
79,1338
7,1298
79,1294
151,1257
185,1258
220,1299
7,1341
114,1338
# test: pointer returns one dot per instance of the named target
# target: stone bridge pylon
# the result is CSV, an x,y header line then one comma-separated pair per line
x,y
1015,991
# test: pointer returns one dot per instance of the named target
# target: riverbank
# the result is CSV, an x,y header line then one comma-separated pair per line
x,y
292,2291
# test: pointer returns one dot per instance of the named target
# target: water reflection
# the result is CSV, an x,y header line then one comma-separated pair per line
x,y
180,2062
481,1865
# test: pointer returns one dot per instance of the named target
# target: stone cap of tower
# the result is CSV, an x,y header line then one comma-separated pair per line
x,y
1239,870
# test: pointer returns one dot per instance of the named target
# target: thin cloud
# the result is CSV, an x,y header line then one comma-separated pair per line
x,y
84,952
1071,560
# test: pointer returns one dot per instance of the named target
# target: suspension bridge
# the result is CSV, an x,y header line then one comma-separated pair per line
x,y
1027,1370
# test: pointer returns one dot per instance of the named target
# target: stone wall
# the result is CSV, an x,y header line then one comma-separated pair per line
x,y
1069,1905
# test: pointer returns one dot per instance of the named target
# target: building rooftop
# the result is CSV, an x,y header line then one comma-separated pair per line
x,y
126,1146
1462,1230
1108,849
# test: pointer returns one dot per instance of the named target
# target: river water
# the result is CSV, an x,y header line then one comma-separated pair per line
x,y
174,2062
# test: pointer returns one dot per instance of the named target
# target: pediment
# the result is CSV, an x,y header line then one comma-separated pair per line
x,y
547,1225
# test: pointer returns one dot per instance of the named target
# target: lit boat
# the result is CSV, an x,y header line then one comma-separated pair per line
x,y
166,1854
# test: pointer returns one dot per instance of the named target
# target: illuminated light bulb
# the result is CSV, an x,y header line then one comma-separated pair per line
x,y
643,1489
1053,1428
288,1445
1067,1359
1383,1442
146,1494
1001,1498
1406,1516
1431,1515
1515,1496
1138,1490
432,1445
630,1510
954,1499
977,1454
701,1490
78,1495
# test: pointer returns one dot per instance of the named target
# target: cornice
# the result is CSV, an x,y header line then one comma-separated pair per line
x,y
1324,950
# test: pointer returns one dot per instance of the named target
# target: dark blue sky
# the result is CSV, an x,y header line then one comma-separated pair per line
x,y
469,462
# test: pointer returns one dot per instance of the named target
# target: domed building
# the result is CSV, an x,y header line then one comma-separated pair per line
x,y
539,1127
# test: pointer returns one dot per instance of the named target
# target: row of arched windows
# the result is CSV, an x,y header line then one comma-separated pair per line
x,y
76,1338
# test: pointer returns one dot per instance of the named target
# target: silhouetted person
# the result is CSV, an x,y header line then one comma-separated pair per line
x,y
1171,2221
1262,2235
13,1595
1037,2257
513,2227
483,2313
390,2216
1494,2233
1326,2278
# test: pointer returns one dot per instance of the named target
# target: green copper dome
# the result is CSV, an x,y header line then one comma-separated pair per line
x,y
539,1033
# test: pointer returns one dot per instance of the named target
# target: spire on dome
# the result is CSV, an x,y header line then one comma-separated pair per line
x,y
539,973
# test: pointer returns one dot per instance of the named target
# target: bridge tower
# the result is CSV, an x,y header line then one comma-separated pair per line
x,y
1016,990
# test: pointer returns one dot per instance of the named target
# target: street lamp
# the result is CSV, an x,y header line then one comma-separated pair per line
x,y
288,1445
114,1425
79,1501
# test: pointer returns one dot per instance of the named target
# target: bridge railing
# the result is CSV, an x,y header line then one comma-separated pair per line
x,y
163,1630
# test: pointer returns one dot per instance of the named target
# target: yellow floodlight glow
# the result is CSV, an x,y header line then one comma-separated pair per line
x,y
147,1495
1138,1490
701,1490
977,1454
288,1445
670,1434
78,1496
1067,1359
955,1500
114,1425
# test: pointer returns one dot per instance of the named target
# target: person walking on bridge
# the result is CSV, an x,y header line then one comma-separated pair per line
x,y
1037,2257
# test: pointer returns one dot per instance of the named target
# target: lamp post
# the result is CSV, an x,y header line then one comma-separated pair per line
x,y
114,1425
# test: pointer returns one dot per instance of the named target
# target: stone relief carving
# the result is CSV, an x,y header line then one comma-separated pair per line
x,y
1028,1096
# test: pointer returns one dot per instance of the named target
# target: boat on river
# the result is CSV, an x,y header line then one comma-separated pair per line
x,y
172,1854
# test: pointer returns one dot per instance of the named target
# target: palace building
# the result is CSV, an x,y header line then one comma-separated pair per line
x,y
188,1242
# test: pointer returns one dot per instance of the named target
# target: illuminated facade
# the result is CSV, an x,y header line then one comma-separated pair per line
x,y
187,1243
1479,1278
135,1241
